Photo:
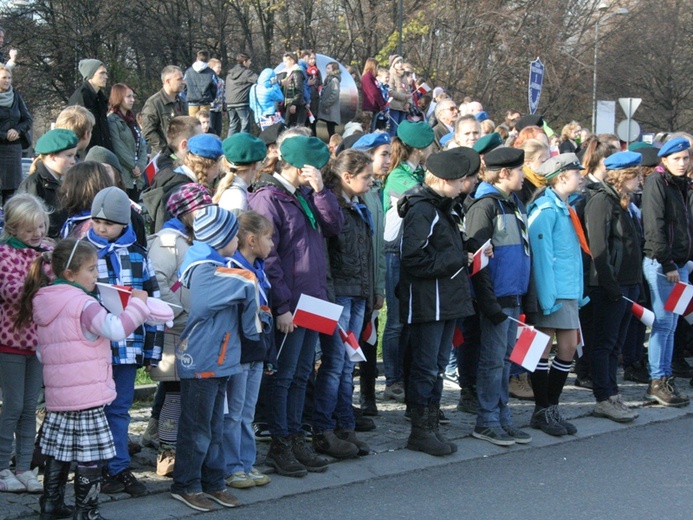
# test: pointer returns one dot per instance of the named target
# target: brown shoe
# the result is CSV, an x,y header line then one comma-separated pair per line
x,y
223,497
197,501
661,392
520,389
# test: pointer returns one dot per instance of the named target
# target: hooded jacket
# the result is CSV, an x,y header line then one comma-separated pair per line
x,y
210,345
97,104
238,83
200,84
298,261
77,370
505,281
615,242
432,252
265,95
329,107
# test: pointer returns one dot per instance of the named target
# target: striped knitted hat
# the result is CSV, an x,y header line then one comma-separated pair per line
x,y
215,226
189,198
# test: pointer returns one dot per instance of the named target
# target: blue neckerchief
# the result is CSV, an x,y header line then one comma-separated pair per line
x,y
176,224
198,253
72,221
364,213
108,249
257,267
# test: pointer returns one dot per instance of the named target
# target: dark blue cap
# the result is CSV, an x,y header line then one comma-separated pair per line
x,y
481,116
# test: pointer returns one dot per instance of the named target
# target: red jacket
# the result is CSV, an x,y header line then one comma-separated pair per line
x,y
372,97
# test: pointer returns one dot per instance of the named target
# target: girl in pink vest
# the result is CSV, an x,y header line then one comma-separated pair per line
x,y
74,334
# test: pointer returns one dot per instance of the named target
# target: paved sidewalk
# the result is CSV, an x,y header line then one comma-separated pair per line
x,y
387,443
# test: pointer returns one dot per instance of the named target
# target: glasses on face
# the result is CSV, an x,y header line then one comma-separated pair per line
x,y
453,109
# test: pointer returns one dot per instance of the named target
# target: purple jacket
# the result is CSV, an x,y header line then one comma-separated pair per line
x,y
297,263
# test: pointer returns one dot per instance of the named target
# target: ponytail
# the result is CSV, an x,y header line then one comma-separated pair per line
x,y
399,153
35,279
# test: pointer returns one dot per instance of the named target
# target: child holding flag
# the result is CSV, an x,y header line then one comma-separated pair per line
x,y
432,297
124,262
302,213
614,277
556,237
501,288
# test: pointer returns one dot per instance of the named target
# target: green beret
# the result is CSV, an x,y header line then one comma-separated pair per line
x,y
416,135
56,141
300,151
488,143
637,145
243,148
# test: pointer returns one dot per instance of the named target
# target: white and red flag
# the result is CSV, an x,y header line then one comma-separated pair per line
x,y
644,315
480,259
151,169
352,346
370,331
114,297
529,347
679,299
316,314
424,89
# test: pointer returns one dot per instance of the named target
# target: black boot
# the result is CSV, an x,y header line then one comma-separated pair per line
x,y
87,488
53,499
433,420
368,406
422,437
282,459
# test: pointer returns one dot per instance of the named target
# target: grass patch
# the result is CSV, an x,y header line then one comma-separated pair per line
x,y
142,378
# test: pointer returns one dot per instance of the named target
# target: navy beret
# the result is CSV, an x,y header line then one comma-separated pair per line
x,y
504,157
454,164
529,120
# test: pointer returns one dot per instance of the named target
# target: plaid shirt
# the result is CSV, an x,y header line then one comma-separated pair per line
x,y
144,346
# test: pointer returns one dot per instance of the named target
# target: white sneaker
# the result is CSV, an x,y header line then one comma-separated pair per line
x,y
260,479
28,478
240,480
9,483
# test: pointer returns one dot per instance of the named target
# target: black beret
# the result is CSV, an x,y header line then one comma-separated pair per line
x,y
348,142
270,134
504,157
529,120
650,156
454,164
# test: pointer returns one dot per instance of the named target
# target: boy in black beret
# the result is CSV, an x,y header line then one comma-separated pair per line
x,y
434,288
497,214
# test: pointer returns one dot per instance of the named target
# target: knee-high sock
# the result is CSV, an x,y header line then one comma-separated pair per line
x,y
540,383
557,377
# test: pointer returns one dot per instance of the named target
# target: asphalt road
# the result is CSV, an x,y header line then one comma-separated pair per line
x,y
637,473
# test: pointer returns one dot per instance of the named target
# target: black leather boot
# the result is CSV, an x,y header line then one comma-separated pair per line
x,y
87,488
422,436
53,499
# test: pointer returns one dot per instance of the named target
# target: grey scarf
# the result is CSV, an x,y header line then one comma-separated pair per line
x,y
7,98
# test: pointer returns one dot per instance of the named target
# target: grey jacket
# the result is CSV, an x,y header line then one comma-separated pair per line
x,y
130,153
329,108
157,113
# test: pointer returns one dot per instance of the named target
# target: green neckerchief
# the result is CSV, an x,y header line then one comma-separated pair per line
x,y
503,194
62,281
15,243
306,209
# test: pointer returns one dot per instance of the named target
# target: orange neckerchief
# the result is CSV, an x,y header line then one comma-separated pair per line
x,y
578,229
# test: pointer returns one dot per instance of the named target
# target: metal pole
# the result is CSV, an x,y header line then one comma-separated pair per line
x,y
594,79
399,21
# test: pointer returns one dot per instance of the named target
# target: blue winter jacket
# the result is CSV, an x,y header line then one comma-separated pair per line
x,y
210,344
556,257
265,95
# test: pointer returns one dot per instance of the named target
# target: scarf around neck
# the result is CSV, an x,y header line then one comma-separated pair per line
x,y
7,98
109,250
258,268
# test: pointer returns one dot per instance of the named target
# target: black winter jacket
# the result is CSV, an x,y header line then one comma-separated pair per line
x,y
201,87
432,252
16,117
615,242
351,257
97,104
42,184
666,219
238,83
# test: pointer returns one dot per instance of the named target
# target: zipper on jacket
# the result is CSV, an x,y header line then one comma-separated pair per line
x,y
222,353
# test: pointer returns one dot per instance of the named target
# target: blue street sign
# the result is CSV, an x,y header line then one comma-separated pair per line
x,y
536,79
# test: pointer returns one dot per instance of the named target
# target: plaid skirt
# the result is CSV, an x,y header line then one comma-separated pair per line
x,y
82,436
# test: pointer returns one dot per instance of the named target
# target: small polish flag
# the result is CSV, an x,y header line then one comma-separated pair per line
x,y
311,117
352,346
423,89
114,297
457,338
645,315
316,314
680,297
370,331
581,341
529,348
521,319
151,169
480,259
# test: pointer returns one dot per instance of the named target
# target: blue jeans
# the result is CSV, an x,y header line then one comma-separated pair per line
x,y
288,384
118,415
396,117
239,439
497,342
430,345
239,120
394,339
610,320
199,451
21,383
661,344
334,384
